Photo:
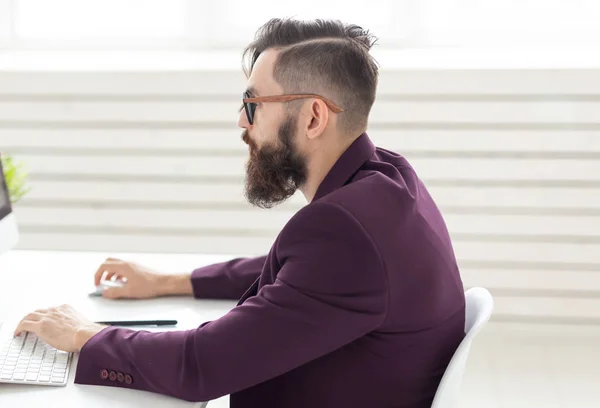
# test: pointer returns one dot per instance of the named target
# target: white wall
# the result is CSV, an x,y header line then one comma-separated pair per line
x,y
152,161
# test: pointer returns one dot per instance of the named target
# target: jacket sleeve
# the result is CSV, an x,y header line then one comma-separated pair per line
x,y
226,280
330,290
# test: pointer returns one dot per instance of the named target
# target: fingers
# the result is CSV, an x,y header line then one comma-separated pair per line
x,y
112,267
27,326
32,321
112,276
115,293
98,274
34,317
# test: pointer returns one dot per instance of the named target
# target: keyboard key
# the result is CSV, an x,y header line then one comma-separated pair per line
x,y
19,376
30,359
62,357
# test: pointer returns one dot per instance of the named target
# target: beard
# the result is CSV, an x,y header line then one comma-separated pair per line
x,y
275,171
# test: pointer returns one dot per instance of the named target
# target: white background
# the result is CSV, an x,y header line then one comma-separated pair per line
x,y
195,24
124,113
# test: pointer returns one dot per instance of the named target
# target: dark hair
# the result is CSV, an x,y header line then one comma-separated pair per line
x,y
325,57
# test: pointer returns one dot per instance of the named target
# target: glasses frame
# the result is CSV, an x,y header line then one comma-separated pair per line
x,y
250,102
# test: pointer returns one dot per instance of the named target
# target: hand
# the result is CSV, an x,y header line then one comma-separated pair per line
x,y
141,282
61,327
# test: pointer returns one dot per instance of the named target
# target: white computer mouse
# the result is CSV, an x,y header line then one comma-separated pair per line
x,y
105,285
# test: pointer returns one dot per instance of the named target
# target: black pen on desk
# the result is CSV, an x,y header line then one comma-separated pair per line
x,y
140,323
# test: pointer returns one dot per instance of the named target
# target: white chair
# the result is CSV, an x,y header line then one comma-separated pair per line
x,y
479,306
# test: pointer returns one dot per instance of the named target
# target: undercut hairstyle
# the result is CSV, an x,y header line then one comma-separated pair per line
x,y
325,57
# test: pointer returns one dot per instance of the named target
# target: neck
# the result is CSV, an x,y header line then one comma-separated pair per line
x,y
320,164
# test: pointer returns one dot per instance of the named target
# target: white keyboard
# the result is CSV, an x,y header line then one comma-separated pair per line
x,y
27,360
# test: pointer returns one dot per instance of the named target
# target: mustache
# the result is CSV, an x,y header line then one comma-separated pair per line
x,y
248,141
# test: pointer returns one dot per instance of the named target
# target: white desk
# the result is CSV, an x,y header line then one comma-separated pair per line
x,y
38,279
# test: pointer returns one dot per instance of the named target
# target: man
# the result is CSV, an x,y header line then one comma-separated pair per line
x,y
359,302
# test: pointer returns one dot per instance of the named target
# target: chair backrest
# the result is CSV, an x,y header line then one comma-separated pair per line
x,y
479,306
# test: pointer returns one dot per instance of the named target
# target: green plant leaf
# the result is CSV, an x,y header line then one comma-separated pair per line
x,y
15,176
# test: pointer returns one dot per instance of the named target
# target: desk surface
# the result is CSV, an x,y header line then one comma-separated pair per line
x,y
37,279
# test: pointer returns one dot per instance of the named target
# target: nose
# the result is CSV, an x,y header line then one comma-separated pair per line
x,y
243,120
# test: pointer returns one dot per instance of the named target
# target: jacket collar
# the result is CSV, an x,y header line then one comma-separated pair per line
x,y
346,165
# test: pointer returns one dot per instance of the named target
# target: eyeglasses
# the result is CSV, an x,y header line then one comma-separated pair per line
x,y
250,103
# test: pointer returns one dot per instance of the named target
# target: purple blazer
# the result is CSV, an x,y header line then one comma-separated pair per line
x,y
359,303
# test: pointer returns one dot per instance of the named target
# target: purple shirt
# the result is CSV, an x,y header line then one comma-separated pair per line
x,y
359,303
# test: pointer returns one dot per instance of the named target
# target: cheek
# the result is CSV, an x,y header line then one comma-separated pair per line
x,y
259,136
265,134
270,116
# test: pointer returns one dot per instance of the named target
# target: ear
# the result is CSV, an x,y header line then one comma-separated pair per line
x,y
318,116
